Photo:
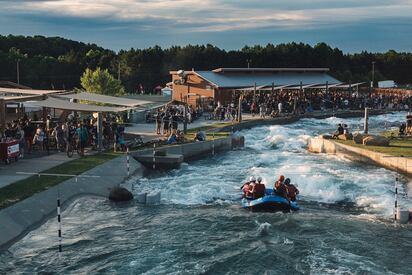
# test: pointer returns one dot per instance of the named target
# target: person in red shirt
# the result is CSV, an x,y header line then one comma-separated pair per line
x,y
247,187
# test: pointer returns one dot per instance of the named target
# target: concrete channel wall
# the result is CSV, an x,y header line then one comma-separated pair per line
x,y
17,220
399,164
196,149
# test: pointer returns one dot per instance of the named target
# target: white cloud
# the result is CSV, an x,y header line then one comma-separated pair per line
x,y
219,15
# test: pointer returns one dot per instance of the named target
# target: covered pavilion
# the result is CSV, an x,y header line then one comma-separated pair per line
x,y
112,100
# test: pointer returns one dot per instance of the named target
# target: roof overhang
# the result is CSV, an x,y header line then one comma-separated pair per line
x,y
113,100
269,70
71,106
29,91
24,98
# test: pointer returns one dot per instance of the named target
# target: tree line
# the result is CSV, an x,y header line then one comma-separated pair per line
x,y
58,63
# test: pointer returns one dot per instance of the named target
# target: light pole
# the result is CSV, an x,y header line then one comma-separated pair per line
x,y
373,74
18,71
248,62
118,71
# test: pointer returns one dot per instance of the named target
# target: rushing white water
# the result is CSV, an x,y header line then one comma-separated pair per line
x,y
281,149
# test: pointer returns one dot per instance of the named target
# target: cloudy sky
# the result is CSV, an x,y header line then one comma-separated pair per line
x,y
352,25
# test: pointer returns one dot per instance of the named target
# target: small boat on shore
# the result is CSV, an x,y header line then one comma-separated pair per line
x,y
269,202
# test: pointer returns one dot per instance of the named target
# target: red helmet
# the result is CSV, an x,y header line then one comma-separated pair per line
x,y
282,178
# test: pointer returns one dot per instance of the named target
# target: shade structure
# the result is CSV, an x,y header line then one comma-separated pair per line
x,y
29,91
20,98
67,105
113,100
233,80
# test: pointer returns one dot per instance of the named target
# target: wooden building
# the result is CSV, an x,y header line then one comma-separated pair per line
x,y
219,85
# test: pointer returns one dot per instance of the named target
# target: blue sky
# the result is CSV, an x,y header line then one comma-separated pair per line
x,y
353,26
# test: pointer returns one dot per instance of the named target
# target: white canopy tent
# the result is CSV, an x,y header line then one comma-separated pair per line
x,y
29,91
67,105
113,100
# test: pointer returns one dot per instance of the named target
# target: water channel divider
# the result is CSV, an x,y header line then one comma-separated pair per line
x,y
128,161
59,221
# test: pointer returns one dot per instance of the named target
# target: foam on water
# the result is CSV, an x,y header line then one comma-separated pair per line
x,y
281,149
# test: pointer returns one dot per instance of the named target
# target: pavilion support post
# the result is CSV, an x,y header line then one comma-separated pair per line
x,y
273,88
185,120
239,111
366,122
301,88
254,93
2,116
44,114
100,131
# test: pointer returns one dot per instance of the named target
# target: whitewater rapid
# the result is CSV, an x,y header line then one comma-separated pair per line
x,y
282,149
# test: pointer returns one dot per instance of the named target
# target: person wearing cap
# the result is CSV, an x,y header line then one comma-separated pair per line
x,y
291,190
280,188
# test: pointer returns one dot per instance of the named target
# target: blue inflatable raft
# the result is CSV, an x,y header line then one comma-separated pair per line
x,y
270,202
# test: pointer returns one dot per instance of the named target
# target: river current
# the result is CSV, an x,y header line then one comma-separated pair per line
x,y
344,227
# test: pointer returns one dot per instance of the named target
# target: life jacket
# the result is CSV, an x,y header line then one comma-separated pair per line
x,y
259,190
280,189
292,192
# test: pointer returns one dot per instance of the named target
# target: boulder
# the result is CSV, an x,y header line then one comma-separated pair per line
x,y
118,194
358,138
376,141
345,137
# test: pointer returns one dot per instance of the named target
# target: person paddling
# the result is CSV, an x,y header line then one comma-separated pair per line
x,y
258,189
247,187
291,189
280,188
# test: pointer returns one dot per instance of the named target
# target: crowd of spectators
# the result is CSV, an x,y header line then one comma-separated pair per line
x,y
170,116
42,136
266,104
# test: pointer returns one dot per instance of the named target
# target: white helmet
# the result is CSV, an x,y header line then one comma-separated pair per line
x,y
259,179
252,178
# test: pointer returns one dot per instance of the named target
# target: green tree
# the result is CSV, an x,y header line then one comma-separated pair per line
x,y
101,82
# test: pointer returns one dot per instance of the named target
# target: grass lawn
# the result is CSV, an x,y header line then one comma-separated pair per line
x,y
25,188
397,146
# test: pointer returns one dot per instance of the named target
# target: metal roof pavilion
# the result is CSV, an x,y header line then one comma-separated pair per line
x,y
244,78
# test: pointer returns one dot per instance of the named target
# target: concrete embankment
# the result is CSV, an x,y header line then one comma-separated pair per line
x,y
199,149
17,220
327,146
